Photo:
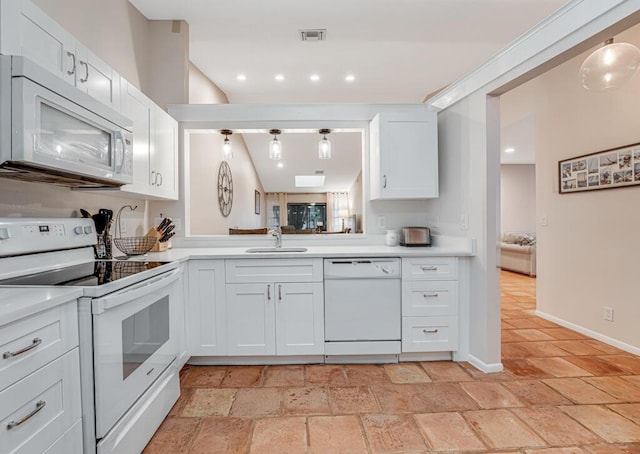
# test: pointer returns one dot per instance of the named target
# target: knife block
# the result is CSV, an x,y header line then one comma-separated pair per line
x,y
158,247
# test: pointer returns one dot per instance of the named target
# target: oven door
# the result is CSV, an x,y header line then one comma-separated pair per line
x,y
135,339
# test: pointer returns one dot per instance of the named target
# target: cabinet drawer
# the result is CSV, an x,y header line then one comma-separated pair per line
x,y
429,268
270,270
52,396
50,334
429,334
429,298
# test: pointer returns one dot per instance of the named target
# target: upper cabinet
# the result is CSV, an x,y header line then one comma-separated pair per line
x,y
155,147
404,155
27,31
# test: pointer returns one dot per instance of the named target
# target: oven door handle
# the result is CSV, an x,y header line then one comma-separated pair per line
x,y
100,305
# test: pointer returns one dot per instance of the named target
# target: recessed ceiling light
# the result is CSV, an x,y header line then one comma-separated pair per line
x,y
350,78
241,77
509,150
280,165
279,77
314,77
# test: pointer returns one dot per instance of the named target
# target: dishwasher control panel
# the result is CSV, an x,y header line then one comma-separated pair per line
x,y
362,268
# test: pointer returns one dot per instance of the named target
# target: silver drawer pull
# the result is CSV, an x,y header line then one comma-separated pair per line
x,y
268,292
430,295
39,406
37,341
430,331
429,268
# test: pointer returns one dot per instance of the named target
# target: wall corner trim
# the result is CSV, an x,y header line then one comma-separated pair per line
x,y
484,367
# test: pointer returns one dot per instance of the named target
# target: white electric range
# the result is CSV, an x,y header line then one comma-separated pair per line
x,y
127,325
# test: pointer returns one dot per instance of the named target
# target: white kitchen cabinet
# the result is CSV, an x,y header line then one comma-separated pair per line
x,y
27,31
155,147
205,308
430,304
40,386
275,307
404,155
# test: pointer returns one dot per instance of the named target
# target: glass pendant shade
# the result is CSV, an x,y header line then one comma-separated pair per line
x,y
610,67
275,147
227,149
324,146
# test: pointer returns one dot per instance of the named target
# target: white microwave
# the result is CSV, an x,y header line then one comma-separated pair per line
x,y
52,132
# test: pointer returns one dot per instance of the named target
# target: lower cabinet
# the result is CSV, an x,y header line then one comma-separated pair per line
x,y
205,308
276,318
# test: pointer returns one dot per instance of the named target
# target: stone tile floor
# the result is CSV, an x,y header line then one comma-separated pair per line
x,y
560,393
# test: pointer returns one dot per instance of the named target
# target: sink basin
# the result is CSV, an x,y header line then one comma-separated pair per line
x,y
277,249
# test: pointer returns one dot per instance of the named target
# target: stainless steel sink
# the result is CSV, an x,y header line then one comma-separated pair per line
x,y
277,249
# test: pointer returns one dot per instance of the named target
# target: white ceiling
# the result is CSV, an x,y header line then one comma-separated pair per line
x,y
398,50
300,157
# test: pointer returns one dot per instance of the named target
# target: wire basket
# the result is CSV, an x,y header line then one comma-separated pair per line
x,y
135,245
132,245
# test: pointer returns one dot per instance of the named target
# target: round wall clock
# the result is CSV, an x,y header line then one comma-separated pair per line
x,y
225,188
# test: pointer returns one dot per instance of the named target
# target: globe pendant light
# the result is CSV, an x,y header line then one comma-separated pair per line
x,y
324,146
275,147
610,67
227,149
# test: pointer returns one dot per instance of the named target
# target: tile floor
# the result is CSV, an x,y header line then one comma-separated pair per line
x,y
560,393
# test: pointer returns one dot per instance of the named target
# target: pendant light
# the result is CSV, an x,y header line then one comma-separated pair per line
x,y
227,149
275,147
324,146
610,67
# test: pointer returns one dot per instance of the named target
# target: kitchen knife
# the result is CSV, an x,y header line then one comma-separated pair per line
x,y
165,222
85,213
168,229
167,237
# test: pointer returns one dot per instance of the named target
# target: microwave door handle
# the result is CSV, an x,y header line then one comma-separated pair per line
x,y
120,151
100,305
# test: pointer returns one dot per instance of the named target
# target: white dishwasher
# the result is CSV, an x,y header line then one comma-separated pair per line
x,y
362,306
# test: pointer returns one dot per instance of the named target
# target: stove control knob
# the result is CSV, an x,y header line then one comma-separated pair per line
x,y
88,229
78,230
4,233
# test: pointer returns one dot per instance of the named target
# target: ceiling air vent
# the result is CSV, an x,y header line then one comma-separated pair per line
x,y
319,172
319,34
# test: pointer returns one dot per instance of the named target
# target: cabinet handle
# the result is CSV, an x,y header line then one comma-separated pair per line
x,y
39,406
280,292
72,71
86,71
430,331
34,343
429,268
154,178
159,175
430,295
384,181
269,292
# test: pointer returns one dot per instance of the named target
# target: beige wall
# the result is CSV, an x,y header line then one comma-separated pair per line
x,y
587,256
204,161
517,198
202,90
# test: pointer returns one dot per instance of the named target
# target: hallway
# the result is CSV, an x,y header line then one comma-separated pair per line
x,y
560,393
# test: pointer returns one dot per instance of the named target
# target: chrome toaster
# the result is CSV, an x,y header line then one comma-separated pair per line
x,y
415,236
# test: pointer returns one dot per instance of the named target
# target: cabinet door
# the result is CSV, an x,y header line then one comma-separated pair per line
x,y
250,319
137,107
404,156
299,318
164,154
205,308
97,79
26,30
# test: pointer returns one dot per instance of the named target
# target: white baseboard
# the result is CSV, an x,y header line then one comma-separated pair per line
x,y
484,367
587,332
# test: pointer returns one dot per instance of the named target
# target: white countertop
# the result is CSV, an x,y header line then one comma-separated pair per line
x,y
17,303
459,247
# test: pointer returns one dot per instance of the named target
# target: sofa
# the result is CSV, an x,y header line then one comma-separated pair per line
x,y
518,252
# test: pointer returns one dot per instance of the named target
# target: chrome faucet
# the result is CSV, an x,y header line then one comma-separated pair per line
x,y
277,232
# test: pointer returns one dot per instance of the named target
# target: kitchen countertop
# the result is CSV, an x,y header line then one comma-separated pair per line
x,y
17,303
462,247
